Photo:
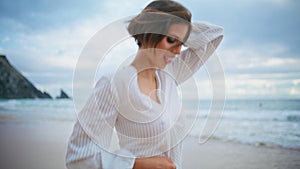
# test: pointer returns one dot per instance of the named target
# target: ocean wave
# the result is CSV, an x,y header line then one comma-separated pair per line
x,y
293,118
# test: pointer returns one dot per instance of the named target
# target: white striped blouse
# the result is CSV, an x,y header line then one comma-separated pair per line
x,y
143,127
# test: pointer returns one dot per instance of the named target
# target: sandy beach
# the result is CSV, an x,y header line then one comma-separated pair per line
x,y
42,145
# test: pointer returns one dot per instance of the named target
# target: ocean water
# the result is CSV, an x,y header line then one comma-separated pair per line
x,y
259,122
263,122
29,110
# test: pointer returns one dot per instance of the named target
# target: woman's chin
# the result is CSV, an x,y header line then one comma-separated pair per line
x,y
162,66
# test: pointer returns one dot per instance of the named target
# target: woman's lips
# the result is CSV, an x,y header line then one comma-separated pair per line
x,y
168,60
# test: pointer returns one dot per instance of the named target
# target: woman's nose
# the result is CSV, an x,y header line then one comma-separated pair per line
x,y
176,50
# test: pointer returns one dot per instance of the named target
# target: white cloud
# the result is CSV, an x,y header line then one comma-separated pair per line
x,y
130,7
266,86
294,91
13,24
247,2
276,2
270,2
249,86
296,82
5,39
259,57
275,62
269,63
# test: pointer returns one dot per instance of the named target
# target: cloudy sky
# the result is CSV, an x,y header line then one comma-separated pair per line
x,y
260,53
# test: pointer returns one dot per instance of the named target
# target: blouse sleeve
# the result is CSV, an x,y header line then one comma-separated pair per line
x,y
176,155
202,42
96,122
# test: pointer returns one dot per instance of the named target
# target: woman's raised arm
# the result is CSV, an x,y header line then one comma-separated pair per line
x,y
202,42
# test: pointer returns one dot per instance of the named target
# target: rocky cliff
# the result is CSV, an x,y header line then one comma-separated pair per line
x,y
63,95
13,85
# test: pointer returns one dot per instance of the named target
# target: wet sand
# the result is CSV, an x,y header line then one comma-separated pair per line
x,y
217,154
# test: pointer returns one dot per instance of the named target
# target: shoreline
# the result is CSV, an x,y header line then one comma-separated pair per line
x,y
14,120
256,144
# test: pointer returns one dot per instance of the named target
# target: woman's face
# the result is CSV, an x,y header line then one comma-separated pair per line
x,y
170,45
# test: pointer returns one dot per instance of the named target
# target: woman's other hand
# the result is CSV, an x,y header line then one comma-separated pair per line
x,y
156,162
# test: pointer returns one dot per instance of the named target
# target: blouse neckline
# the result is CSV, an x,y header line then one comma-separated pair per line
x,y
158,81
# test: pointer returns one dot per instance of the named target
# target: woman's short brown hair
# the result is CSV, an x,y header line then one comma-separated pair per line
x,y
152,24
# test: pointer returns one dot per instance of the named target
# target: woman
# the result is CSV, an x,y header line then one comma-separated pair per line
x,y
140,102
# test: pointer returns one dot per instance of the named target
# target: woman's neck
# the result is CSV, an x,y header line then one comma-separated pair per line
x,y
146,75
143,66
